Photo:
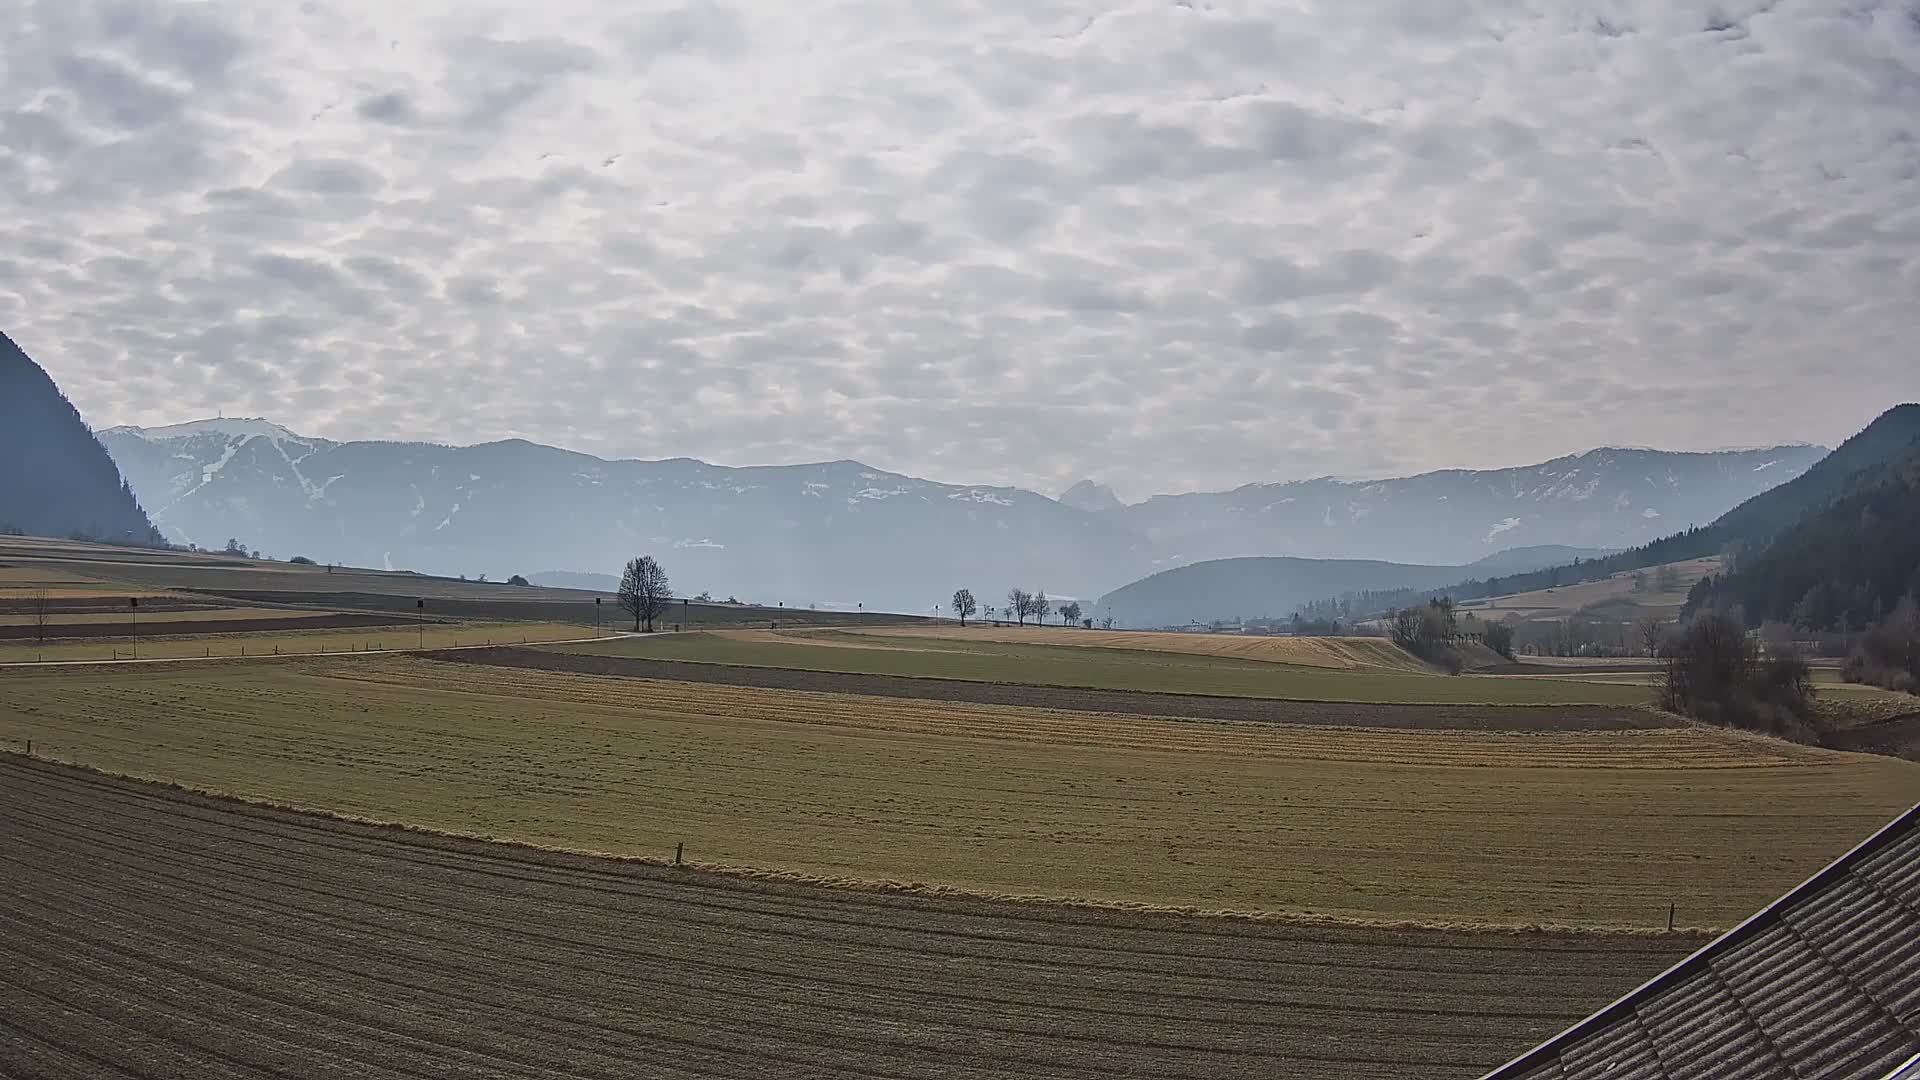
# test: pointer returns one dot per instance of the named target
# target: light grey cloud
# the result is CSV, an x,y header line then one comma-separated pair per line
x,y
1160,244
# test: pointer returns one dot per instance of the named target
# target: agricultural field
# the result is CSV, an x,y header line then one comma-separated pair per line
x,y
281,637
1436,826
65,622
150,931
1613,597
29,564
1340,654
946,654
69,601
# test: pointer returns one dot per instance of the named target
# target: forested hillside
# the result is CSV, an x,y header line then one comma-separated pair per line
x,y
55,477
1749,529
1841,567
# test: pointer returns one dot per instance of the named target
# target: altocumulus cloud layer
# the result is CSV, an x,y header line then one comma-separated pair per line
x,y
1170,244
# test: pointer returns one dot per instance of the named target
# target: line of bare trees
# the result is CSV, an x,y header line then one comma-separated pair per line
x,y
1021,606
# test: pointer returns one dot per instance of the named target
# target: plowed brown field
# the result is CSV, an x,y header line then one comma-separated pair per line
x,y
153,933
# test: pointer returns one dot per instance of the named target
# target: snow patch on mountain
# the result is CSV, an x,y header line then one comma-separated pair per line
x,y
236,427
1505,526
977,496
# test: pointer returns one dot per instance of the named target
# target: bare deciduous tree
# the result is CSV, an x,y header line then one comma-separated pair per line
x,y
1499,638
1042,607
644,591
1070,613
1019,604
1651,629
964,604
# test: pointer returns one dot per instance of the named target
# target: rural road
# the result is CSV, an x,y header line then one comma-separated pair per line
x,y
147,931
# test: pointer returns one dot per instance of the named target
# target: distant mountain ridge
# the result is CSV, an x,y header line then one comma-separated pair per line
x,y
1604,498
55,477
844,533
1092,497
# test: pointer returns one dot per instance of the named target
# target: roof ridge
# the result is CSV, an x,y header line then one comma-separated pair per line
x,y
1628,1004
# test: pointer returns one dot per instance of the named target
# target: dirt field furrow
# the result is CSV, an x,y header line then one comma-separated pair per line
x,y
832,915
169,934
1291,991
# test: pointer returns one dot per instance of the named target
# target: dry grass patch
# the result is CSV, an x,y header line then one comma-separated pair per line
x,y
1592,829
289,642
201,615
1618,589
1345,654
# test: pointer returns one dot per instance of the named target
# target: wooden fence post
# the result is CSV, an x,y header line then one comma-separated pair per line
x,y
1669,917
678,849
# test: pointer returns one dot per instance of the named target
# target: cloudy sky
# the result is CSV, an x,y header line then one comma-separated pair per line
x,y
1168,244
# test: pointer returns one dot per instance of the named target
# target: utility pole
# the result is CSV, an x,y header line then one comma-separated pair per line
x,y
596,615
420,617
133,613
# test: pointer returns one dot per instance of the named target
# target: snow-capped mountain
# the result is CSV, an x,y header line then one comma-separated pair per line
x,y
1606,498
832,533
844,533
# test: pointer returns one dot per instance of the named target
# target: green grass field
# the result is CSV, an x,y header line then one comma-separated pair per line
x,y
1107,669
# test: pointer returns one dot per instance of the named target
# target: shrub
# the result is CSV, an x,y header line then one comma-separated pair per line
x,y
1888,654
1714,673
518,579
301,560
1428,633
1500,639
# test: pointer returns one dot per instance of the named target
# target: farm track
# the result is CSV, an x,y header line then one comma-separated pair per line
x,y
152,932
1128,702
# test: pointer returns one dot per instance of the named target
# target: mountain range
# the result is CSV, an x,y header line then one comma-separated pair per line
x,y
842,533
55,478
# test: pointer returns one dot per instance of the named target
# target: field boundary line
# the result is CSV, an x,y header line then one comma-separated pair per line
x,y
291,655
907,889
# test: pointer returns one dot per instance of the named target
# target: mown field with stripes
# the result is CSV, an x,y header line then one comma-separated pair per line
x,y
1577,827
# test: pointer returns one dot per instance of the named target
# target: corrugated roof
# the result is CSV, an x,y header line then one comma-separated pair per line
x,y
1823,983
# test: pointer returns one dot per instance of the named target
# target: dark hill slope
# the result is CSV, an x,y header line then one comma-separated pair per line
x,y
1254,588
1858,463
55,477
1838,567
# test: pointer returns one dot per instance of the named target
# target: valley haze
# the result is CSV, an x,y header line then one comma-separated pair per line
x,y
847,534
